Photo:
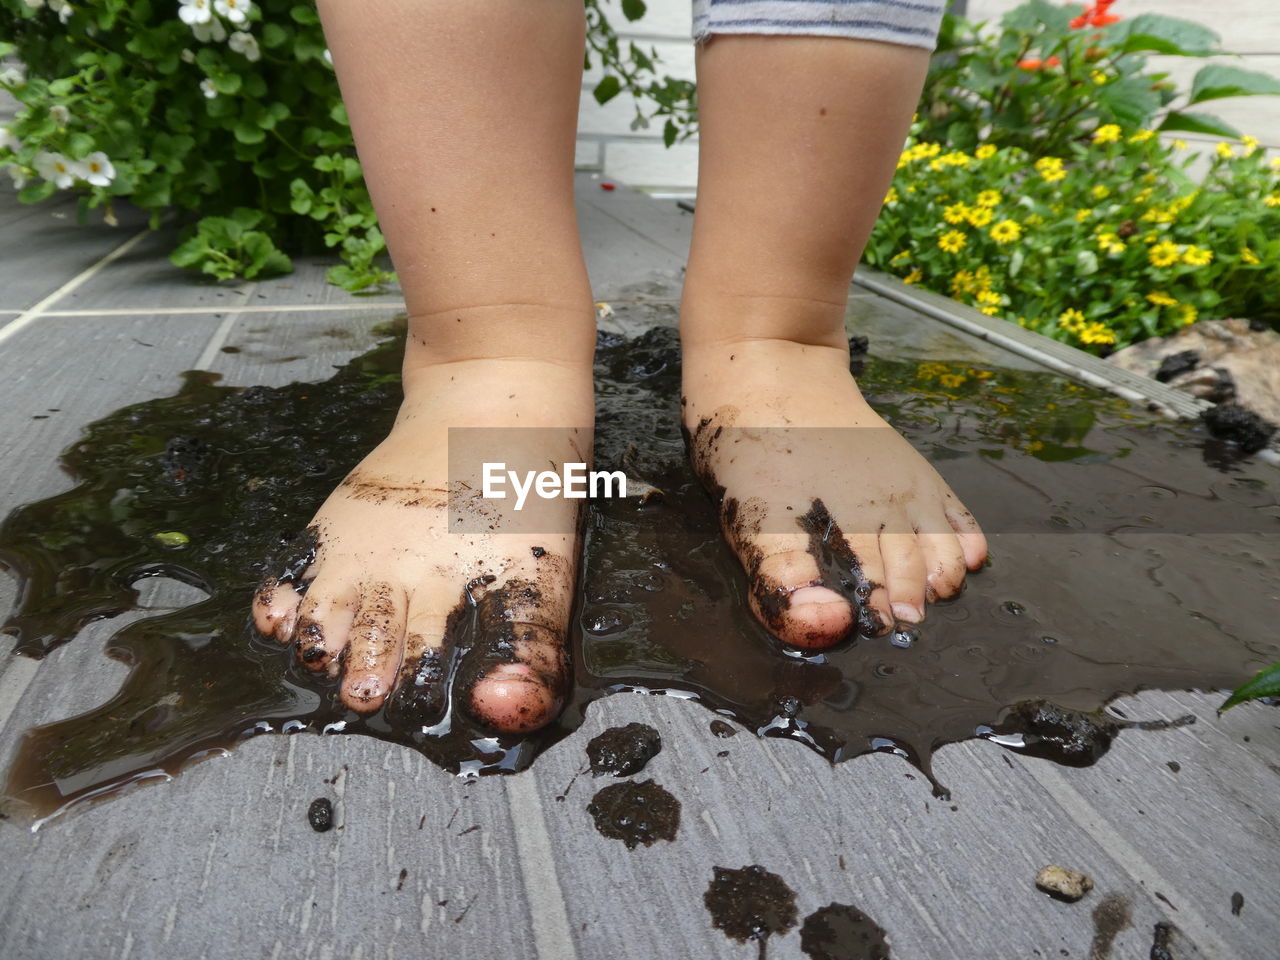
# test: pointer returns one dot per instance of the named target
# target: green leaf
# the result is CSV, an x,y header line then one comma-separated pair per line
x,y
608,88
304,14
1265,684
171,538
1215,81
248,132
1199,123
1130,100
633,10
669,133
1154,31
274,35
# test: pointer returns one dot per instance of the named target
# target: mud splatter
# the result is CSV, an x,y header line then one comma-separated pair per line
x,y
750,904
635,813
841,932
623,751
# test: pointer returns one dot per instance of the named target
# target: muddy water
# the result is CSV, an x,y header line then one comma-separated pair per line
x,y
1126,553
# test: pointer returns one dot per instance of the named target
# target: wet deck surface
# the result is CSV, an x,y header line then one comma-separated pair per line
x,y
221,862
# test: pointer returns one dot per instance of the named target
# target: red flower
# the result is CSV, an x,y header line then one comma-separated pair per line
x,y
1095,16
1035,63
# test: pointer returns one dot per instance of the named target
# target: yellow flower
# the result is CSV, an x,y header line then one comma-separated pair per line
x,y
1101,192
1050,168
985,151
1022,321
1107,133
1179,144
978,216
1034,220
1275,163
1164,254
1195,256
1098,76
1006,231
1250,144
962,282
1161,299
915,276
1248,256
1177,206
1189,314
900,255
989,198
1225,150
1110,243
951,379
1071,320
1272,199
988,298
990,311
1156,215
1142,196
952,241
1142,136
955,213
891,196
1096,332
1083,215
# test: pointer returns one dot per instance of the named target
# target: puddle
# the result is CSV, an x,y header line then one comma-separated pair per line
x,y
1121,561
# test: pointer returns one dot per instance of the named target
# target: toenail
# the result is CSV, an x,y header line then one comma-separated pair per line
x,y
905,611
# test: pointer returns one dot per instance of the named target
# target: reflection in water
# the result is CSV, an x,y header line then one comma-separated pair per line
x,y
1119,561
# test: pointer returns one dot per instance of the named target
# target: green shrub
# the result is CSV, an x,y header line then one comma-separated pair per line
x,y
1050,75
229,111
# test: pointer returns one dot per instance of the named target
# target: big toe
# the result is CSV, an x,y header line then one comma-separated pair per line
x,y
512,697
788,598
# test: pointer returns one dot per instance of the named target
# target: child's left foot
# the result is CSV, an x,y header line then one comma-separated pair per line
x,y
839,523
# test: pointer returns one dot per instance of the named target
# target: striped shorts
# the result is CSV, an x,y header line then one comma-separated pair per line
x,y
911,22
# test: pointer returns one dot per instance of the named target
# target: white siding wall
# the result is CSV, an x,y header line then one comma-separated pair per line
x,y
606,142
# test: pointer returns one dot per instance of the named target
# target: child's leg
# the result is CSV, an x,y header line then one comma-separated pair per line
x,y
799,140
465,116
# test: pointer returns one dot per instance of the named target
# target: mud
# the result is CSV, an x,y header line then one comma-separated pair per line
x,y
1112,916
1122,559
636,813
1161,941
841,932
623,751
750,904
723,730
320,815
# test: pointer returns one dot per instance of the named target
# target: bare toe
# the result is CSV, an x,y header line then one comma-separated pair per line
x,y
275,609
904,571
324,622
375,649
788,596
972,542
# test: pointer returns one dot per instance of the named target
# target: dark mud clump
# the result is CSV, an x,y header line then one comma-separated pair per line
x,y
623,751
215,487
1162,941
1046,730
1177,363
1234,424
723,730
1237,903
636,813
840,932
750,904
320,814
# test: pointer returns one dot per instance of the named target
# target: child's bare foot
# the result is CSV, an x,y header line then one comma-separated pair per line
x,y
381,603
839,523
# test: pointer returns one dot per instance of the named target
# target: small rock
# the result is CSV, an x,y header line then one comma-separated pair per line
x,y
320,814
1063,884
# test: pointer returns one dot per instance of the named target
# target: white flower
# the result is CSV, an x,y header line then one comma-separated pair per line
x,y
18,175
98,170
15,75
62,9
188,55
237,11
246,44
195,11
7,139
213,30
208,89
56,167
60,114
328,57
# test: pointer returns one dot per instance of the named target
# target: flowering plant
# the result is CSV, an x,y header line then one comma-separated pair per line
x,y
1052,74
225,109
1109,244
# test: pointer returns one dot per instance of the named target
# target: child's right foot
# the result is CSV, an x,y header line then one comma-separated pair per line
x,y
378,603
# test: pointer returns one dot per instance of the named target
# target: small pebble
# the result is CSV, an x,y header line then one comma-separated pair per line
x,y
1063,884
